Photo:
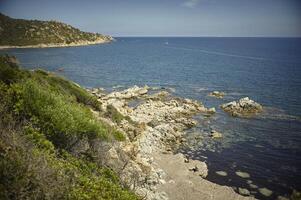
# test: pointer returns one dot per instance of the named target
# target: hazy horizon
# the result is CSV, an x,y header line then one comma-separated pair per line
x,y
178,18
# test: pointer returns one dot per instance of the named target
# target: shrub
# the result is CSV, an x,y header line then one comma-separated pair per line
x,y
93,182
24,171
28,173
64,86
40,116
57,117
9,71
38,139
113,113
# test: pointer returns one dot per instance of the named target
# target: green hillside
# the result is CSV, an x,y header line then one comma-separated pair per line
x,y
20,32
44,122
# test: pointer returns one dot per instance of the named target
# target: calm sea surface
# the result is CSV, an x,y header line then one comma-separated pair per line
x,y
267,70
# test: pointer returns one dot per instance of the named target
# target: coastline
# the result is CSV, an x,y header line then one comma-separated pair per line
x,y
59,45
155,127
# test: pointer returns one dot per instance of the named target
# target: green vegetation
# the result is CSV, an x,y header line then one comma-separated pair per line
x,y
42,117
116,116
19,32
67,87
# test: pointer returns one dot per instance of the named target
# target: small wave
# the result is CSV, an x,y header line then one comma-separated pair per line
x,y
202,89
234,94
117,86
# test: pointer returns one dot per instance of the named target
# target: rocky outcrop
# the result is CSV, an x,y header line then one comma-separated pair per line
x,y
217,94
153,128
244,107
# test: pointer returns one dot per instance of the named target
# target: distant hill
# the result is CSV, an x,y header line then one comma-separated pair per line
x,y
20,32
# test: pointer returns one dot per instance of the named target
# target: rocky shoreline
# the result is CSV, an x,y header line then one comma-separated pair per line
x,y
154,128
57,45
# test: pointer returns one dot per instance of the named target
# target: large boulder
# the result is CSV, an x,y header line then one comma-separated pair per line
x,y
242,107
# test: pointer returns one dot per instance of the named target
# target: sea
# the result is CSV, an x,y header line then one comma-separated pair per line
x,y
265,148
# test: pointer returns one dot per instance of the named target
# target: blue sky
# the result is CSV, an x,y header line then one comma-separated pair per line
x,y
167,17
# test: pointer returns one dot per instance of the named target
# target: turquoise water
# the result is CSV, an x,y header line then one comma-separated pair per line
x,y
267,70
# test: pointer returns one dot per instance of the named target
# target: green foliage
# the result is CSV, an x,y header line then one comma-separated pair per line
x,y
115,115
21,32
9,71
25,173
58,117
28,173
66,87
91,181
56,106
38,139
40,116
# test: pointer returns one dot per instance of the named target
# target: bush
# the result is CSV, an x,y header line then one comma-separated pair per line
x,y
59,118
24,171
40,118
9,70
38,139
115,115
64,86
93,182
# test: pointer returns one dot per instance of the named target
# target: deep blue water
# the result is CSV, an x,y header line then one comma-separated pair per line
x,y
267,70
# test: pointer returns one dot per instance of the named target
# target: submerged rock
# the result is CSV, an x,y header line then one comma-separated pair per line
x,y
214,134
221,173
265,192
253,186
217,94
243,191
242,174
242,107
282,198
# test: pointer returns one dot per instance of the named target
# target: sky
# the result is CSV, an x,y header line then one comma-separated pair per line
x,y
218,18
